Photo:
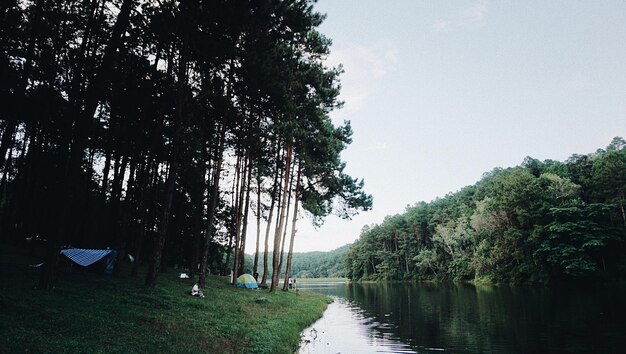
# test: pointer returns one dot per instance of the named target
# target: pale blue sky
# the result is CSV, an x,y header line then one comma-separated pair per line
x,y
439,92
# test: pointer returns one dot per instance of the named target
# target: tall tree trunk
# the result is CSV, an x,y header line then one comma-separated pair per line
x,y
7,140
234,212
105,175
15,213
112,220
214,194
239,217
269,217
282,247
124,214
170,184
293,229
278,233
159,243
245,216
255,268
5,177
198,204
145,183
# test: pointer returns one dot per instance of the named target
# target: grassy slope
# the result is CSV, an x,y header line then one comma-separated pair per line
x,y
89,312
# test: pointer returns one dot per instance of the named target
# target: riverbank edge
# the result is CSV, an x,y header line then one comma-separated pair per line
x,y
90,312
487,283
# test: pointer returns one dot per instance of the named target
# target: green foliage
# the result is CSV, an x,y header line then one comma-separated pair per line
x,y
538,222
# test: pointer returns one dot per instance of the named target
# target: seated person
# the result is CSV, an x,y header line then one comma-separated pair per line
x,y
195,291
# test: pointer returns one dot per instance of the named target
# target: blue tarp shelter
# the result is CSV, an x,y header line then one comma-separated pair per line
x,y
87,257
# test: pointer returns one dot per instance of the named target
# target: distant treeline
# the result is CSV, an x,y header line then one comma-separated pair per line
x,y
319,264
312,264
534,223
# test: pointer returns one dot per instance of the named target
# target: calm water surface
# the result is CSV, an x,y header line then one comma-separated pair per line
x,y
463,318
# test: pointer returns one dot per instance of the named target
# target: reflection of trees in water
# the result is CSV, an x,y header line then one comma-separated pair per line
x,y
469,318
436,315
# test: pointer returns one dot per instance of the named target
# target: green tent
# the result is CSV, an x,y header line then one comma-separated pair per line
x,y
246,281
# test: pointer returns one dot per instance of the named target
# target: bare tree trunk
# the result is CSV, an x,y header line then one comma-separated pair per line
x,y
198,203
245,215
107,165
145,184
255,268
278,233
116,194
155,263
214,194
125,215
406,261
240,203
269,219
293,230
234,202
282,247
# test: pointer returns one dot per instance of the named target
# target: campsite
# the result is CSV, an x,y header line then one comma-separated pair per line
x,y
173,173
99,313
154,133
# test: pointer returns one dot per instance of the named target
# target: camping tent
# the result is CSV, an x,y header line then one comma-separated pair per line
x,y
246,281
87,257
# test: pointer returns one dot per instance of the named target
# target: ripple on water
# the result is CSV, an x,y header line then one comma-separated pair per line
x,y
345,328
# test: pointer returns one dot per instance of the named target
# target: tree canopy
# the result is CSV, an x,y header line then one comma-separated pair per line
x,y
150,127
538,222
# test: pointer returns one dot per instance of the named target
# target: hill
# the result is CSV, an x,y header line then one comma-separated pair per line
x,y
539,222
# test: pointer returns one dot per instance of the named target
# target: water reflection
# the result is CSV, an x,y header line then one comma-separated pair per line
x,y
346,329
463,318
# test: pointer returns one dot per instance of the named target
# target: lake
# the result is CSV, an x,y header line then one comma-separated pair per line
x,y
463,318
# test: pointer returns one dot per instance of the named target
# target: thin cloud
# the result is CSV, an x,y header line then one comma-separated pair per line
x,y
364,66
473,14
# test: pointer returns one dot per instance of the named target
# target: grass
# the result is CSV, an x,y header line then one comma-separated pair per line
x,y
94,313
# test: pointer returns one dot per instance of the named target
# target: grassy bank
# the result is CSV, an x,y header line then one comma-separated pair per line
x,y
89,312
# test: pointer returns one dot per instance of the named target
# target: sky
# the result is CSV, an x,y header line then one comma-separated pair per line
x,y
440,92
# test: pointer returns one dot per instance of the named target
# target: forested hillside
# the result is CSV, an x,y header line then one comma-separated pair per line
x,y
319,264
159,128
313,264
538,222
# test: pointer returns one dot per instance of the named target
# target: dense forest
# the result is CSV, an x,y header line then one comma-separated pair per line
x,y
535,223
163,129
